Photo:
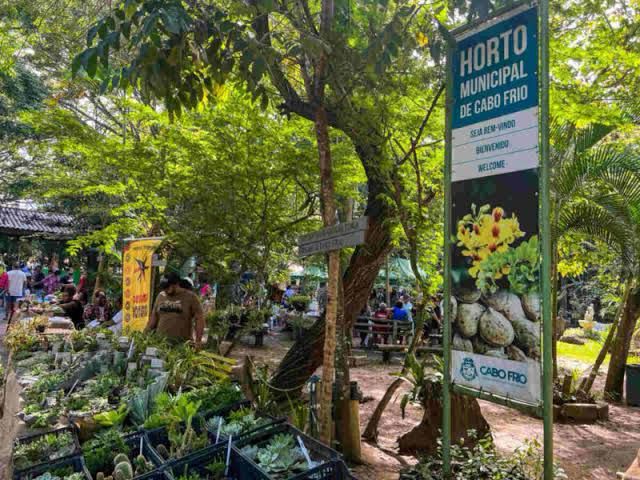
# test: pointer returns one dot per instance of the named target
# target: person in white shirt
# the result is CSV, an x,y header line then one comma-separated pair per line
x,y
17,280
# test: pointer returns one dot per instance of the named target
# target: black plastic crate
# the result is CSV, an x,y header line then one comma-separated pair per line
x,y
244,435
27,439
155,475
240,468
159,436
134,441
224,411
334,470
318,451
75,464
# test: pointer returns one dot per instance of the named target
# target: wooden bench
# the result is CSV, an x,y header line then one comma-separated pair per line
x,y
433,350
387,350
393,329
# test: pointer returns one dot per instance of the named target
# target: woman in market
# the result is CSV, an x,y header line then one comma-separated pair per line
x,y
72,306
51,282
99,310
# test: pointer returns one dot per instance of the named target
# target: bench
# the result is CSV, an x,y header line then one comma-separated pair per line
x,y
393,329
387,350
433,350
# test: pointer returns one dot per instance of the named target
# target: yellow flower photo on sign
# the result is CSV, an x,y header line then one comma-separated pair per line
x,y
485,231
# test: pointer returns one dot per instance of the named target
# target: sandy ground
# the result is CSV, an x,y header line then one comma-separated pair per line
x,y
586,452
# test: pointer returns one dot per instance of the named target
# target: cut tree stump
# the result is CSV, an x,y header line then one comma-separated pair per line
x,y
465,415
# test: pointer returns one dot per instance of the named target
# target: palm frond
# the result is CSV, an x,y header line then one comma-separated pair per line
x,y
596,221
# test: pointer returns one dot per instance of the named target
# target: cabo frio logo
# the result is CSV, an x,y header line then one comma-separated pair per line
x,y
469,372
468,369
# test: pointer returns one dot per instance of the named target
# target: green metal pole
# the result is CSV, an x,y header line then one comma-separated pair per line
x,y
547,344
446,337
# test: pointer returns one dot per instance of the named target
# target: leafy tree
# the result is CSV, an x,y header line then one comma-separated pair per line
x,y
220,183
20,90
595,191
181,53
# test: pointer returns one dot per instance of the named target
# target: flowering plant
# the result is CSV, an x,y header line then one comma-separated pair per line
x,y
484,232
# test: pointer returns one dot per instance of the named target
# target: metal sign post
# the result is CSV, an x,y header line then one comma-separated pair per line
x,y
547,314
497,206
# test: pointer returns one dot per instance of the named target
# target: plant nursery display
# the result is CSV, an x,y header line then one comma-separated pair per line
x,y
134,405
51,446
281,457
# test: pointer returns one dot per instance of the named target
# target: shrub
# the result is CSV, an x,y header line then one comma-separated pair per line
x,y
484,462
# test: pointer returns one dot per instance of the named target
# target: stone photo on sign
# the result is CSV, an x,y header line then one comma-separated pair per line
x,y
496,265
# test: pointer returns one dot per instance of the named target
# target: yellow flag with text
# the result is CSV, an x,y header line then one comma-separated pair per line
x,y
136,282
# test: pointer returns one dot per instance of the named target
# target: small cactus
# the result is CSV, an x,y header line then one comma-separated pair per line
x,y
141,465
162,450
100,476
119,458
123,471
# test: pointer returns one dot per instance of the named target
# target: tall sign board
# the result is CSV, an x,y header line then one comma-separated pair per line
x,y
497,213
495,261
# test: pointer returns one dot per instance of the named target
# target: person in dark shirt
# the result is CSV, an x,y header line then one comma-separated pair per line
x,y
72,307
37,282
177,313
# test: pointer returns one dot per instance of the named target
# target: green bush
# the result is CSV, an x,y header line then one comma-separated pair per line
x,y
484,462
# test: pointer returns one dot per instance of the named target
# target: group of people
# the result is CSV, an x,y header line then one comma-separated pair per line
x,y
403,310
22,280
177,311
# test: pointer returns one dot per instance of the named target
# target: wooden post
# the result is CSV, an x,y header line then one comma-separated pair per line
x,y
387,282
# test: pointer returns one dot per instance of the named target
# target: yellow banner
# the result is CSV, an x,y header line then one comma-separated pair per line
x,y
136,282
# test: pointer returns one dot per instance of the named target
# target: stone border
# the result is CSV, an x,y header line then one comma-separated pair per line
x,y
584,413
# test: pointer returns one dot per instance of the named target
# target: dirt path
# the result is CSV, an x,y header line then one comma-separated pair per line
x,y
586,452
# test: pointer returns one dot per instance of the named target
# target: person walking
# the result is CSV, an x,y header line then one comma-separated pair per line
x,y
17,279
177,313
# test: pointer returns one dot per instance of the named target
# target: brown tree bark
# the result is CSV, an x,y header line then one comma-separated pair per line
x,y
371,431
329,219
465,415
620,349
305,356
587,382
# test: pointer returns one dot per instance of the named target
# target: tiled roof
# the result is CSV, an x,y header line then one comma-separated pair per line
x,y
19,221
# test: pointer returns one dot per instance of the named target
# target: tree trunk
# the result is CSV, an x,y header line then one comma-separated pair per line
x,y
329,219
465,415
305,356
620,349
371,431
101,267
587,383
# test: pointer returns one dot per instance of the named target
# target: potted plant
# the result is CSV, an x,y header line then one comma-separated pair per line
x,y
299,302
